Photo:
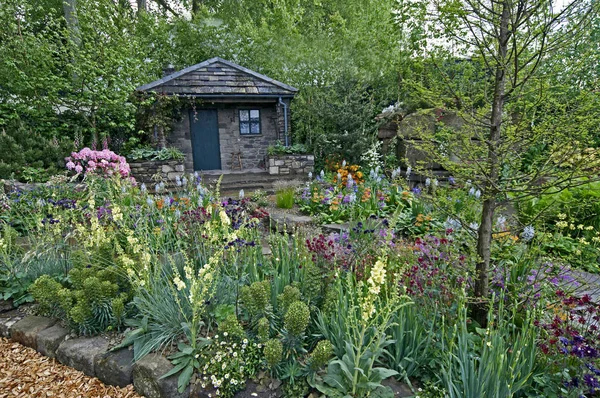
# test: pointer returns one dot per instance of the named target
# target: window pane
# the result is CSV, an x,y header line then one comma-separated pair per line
x,y
254,114
244,116
244,128
255,128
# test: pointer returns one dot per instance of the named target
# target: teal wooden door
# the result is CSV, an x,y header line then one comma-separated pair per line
x,y
205,139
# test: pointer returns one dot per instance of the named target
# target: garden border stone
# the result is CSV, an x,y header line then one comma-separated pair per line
x,y
48,340
7,320
81,353
147,373
115,367
27,329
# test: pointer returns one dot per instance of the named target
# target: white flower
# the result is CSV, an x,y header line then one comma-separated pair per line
x,y
322,174
408,171
428,182
474,226
477,194
435,182
310,175
143,188
396,172
528,233
344,163
157,188
241,194
184,181
471,191
501,221
149,201
339,177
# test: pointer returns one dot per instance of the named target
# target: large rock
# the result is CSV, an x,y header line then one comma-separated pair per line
x,y
49,339
147,373
26,330
115,368
81,353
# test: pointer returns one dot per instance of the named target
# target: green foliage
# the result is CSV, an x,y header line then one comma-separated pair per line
x,y
28,157
320,355
498,361
290,295
296,318
156,154
413,346
231,328
273,352
284,198
262,328
255,298
92,302
280,149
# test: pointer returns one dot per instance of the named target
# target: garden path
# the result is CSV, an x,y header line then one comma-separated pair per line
x,y
589,284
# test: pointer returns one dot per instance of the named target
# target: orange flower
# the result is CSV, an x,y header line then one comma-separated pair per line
x,y
160,204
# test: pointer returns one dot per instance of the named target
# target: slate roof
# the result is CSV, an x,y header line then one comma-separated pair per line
x,y
217,77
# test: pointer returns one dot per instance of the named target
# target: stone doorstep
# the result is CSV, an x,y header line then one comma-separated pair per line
x,y
81,353
27,329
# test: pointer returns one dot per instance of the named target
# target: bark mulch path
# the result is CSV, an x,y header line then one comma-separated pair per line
x,y
26,373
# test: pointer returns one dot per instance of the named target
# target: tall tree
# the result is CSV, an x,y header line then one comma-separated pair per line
x,y
512,40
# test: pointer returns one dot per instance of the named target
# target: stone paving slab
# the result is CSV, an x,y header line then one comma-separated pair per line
x,y
81,353
27,329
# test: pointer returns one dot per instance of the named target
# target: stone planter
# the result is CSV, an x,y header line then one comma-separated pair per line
x,y
291,164
169,170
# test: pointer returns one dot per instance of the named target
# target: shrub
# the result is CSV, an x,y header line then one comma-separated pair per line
x,y
93,302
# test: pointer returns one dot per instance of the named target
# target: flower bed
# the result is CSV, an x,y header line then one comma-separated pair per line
x,y
185,274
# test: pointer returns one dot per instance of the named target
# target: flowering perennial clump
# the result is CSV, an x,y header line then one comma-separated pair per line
x,y
105,163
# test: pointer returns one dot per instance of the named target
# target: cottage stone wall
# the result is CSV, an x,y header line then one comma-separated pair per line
x,y
252,147
291,164
169,170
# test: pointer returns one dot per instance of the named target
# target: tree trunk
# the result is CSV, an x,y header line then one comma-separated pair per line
x,y
70,10
484,239
160,137
141,6
195,7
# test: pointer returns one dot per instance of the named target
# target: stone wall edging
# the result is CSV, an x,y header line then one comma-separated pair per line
x,y
291,164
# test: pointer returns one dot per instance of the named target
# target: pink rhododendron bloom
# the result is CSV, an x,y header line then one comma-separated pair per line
x,y
104,162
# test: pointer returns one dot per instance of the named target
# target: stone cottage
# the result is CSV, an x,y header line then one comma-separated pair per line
x,y
239,114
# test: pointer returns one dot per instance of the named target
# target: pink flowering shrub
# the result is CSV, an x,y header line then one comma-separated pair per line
x,y
105,162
